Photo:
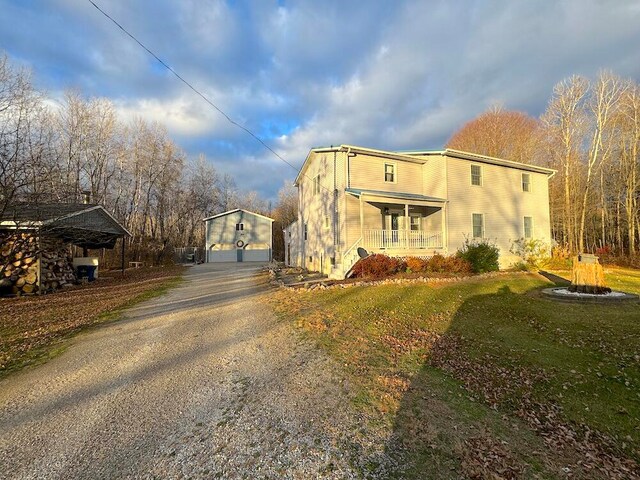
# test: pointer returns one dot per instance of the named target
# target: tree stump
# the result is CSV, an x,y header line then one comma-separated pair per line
x,y
588,276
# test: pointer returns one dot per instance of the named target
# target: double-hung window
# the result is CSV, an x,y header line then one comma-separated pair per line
x,y
528,227
390,172
476,175
415,222
316,184
526,182
239,227
478,225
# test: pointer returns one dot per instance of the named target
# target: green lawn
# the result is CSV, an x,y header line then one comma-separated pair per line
x,y
486,376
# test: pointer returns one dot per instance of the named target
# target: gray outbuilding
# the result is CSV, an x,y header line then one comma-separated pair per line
x,y
238,236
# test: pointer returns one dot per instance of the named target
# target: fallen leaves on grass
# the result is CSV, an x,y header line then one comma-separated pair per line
x,y
29,325
588,450
488,458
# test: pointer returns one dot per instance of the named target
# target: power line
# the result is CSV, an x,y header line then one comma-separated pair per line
x,y
196,91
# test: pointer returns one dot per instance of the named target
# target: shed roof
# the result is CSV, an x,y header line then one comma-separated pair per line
x,y
237,210
85,225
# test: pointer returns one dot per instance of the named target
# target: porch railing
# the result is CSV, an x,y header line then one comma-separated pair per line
x,y
350,257
401,239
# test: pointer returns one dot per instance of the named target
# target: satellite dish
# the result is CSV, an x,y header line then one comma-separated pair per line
x,y
362,253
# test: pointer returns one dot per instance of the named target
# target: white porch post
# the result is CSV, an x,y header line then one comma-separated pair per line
x,y
361,218
445,228
407,225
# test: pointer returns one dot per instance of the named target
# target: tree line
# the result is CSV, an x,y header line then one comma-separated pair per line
x,y
54,151
590,134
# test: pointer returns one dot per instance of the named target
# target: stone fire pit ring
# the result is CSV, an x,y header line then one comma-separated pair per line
x,y
564,295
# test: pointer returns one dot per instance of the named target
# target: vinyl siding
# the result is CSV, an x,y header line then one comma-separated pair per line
x,y
502,202
222,231
500,199
435,177
318,249
367,172
292,244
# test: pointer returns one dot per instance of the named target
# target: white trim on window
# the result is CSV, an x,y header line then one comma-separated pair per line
x,y
391,173
415,221
316,184
525,228
476,175
477,225
526,184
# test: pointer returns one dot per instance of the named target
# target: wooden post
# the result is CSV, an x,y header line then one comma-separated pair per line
x,y
407,225
122,255
361,217
39,266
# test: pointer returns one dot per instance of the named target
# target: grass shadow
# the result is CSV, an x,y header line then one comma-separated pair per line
x,y
509,372
556,279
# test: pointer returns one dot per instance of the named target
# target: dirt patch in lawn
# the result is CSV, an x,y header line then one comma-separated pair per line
x,y
34,328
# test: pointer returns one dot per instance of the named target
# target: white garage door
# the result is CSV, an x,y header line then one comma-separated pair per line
x,y
245,256
222,256
255,255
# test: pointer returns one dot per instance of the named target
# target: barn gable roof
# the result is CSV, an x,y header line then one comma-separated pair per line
x,y
237,210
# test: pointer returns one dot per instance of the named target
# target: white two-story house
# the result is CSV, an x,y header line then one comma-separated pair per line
x,y
411,204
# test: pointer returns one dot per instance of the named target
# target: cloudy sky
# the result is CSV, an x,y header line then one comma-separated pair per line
x,y
381,74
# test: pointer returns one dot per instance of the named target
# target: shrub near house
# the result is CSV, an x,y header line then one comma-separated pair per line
x,y
439,264
482,255
378,266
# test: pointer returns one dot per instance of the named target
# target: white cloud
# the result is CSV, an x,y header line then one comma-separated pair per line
x,y
399,75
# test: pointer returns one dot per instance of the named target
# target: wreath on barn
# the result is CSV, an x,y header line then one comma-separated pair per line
x,y
239,244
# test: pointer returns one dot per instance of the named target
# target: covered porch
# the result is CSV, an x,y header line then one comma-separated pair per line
x,y
401,223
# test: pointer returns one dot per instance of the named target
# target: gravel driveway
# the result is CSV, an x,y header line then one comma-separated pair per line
x,y
200,383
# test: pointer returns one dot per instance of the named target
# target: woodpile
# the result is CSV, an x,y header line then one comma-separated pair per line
x,y
28,266
588,276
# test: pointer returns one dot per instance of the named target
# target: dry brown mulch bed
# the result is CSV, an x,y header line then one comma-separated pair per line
x,y
31,327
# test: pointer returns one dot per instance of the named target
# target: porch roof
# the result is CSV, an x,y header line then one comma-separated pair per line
x,y
394,195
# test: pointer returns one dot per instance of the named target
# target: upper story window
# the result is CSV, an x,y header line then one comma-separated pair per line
x,y
390,172
316,184
476,175
528,227
526,182
478,225
239,226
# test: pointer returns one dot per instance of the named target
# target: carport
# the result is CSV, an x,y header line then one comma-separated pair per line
x,y
28,231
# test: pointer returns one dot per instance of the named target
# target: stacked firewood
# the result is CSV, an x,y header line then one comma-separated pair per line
x,y
23,258
57,266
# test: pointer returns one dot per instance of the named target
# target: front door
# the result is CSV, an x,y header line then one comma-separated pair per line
x,y
239,252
